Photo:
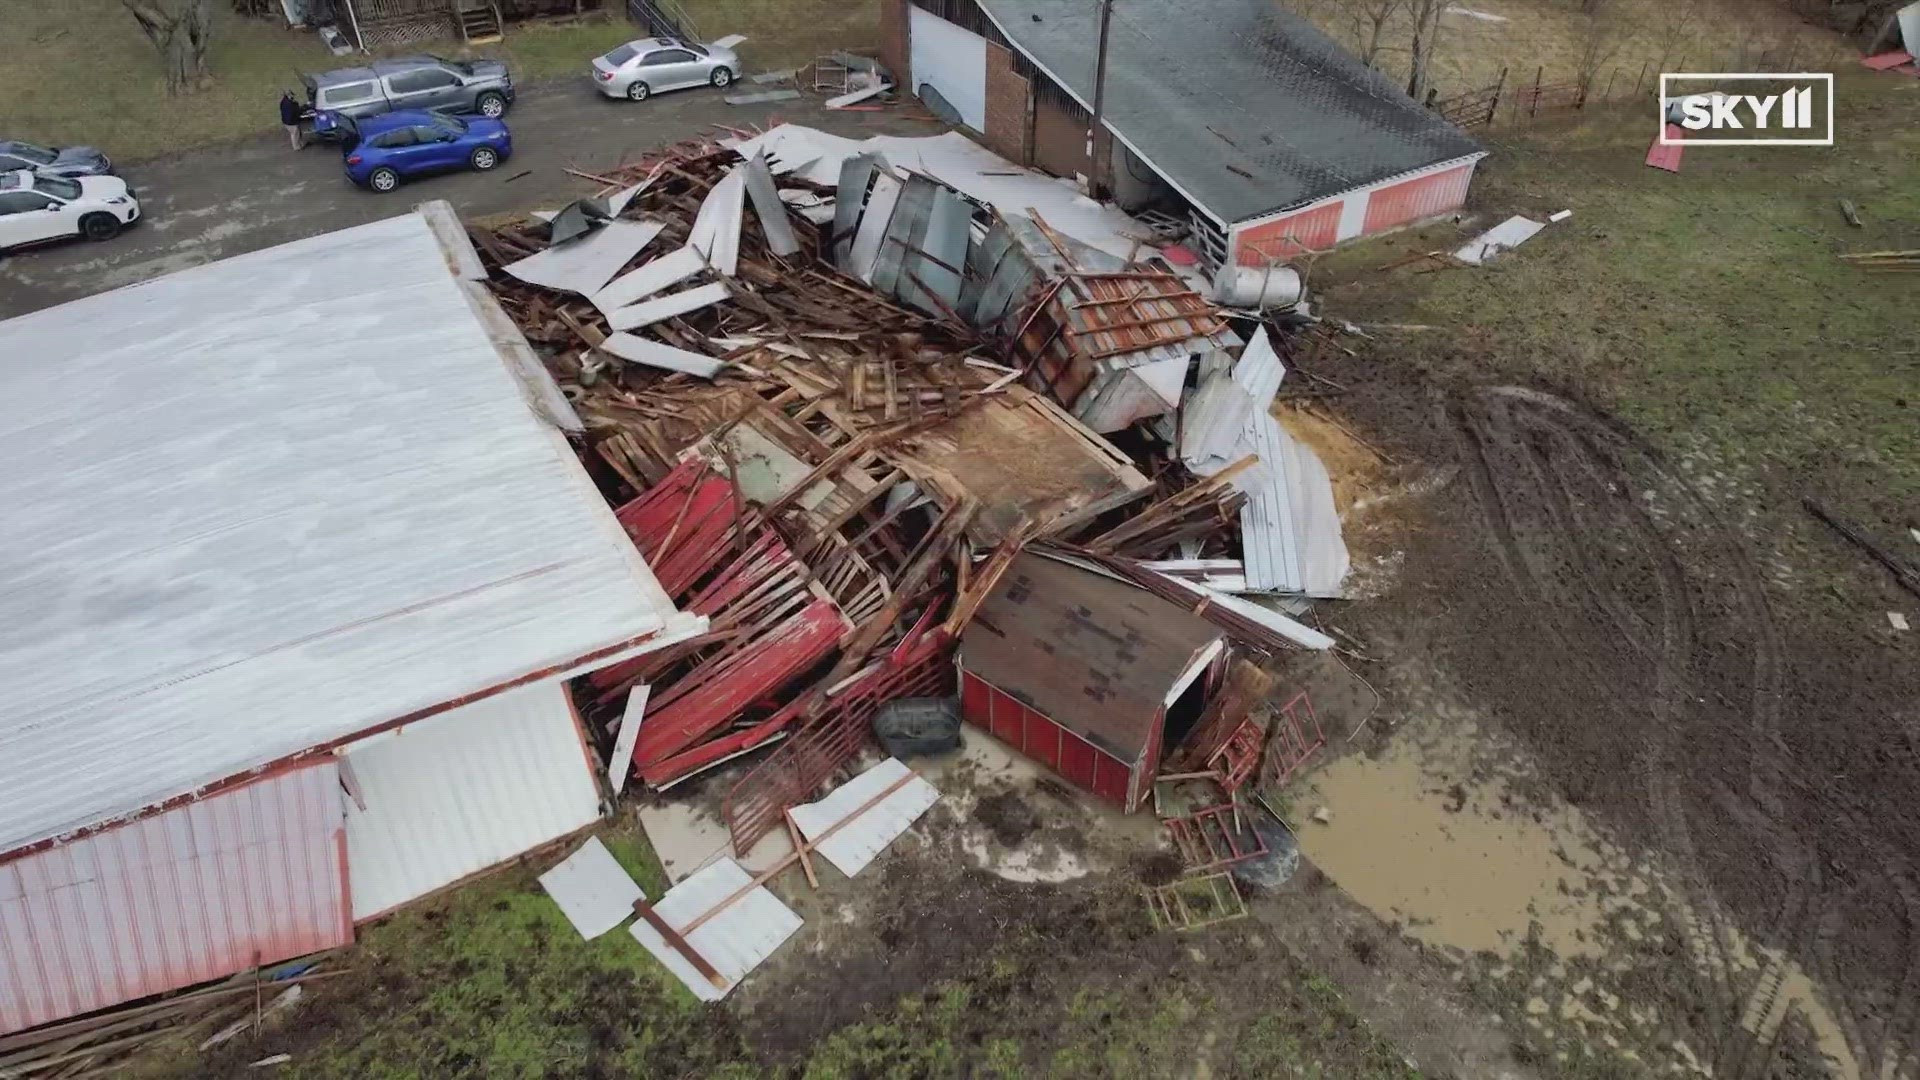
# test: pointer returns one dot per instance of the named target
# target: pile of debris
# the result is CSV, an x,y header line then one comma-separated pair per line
x,y
831,399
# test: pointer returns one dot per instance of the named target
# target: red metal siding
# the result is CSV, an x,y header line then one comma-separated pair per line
x,y
1283,238
251,875
1413,200
991,709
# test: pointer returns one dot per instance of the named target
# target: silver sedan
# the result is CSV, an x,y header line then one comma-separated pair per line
x,y
640,69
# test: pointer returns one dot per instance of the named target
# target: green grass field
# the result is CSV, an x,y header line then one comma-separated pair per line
x,y
79,71
1708,310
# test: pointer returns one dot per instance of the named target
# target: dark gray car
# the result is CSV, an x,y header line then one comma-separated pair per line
x,y
54,161
410,82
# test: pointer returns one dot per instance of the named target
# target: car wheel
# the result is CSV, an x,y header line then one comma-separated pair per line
x,y
484,158
491,105
722,77
99,226
637,91
383,179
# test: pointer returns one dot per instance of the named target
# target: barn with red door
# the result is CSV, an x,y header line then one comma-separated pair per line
x,y
1236,116
1087,674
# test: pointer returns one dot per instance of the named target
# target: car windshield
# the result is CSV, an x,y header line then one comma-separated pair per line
x,y
10,180
57,186
698,50
452,125
619,56
39,155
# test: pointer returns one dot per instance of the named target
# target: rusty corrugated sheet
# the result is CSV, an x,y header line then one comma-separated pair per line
x,y
1283,238
1394,205
253,875
764,665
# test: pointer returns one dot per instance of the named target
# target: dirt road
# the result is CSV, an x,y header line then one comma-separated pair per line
x,y
224,200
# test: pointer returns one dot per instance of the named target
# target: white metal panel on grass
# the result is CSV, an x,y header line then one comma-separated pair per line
x,y
199,892
952,60
274,520
855,844
735,941
457,793
593,890
1505,236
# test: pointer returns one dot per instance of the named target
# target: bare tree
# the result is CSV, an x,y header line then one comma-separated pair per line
x,y
180,30
1601,34
1426,41
1369,19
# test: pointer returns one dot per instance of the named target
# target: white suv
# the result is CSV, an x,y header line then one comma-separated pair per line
x,y
35,207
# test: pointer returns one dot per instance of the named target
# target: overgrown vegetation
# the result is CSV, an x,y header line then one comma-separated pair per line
x,y
81,71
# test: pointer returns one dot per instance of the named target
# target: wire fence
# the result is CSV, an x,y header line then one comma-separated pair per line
x,y
1517,97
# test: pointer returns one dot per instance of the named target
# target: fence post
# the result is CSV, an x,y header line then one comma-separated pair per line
x,y
1493,108
1533,107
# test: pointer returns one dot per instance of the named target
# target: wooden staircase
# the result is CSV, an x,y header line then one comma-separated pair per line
x,y
479,20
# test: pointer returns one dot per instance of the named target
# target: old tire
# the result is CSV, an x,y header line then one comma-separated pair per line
x,y
722,77
638,91
490,105
99,226
383,179
916,727
484,158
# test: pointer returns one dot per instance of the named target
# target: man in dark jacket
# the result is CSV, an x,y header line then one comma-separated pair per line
x,y
290,118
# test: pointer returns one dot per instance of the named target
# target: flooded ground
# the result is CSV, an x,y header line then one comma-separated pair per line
x,y
1445,833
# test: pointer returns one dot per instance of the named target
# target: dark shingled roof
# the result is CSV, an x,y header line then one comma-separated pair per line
x,y
1197,86
1094,655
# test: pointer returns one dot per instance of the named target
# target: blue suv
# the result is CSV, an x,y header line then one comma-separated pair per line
x,y
383,150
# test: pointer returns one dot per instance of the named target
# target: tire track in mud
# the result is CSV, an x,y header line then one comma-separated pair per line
x,y
1492,416
1559,489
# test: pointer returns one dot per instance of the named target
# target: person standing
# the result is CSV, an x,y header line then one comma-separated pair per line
x,y
290,118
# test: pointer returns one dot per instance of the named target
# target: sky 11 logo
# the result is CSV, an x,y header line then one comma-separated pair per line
x,y
1776,109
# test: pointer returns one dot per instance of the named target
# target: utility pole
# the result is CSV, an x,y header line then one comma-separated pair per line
x,y
1099,149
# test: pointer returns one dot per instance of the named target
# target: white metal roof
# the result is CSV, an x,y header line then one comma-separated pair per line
x,y
270,502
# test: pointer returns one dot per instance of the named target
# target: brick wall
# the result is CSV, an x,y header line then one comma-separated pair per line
x,y
1009,101
893,39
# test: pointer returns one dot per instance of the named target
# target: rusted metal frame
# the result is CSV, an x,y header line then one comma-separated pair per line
x,y
833,736
1195,837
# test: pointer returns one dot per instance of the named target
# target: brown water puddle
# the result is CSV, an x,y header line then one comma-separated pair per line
x,y
1422,838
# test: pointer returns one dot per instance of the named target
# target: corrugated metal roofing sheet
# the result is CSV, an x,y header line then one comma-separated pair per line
x,y
196,893
735,941
1289,527
457,793
855,844
594,891
585,265
275,520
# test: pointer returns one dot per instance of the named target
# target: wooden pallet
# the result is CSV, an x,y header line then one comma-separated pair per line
x,y
1191,903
